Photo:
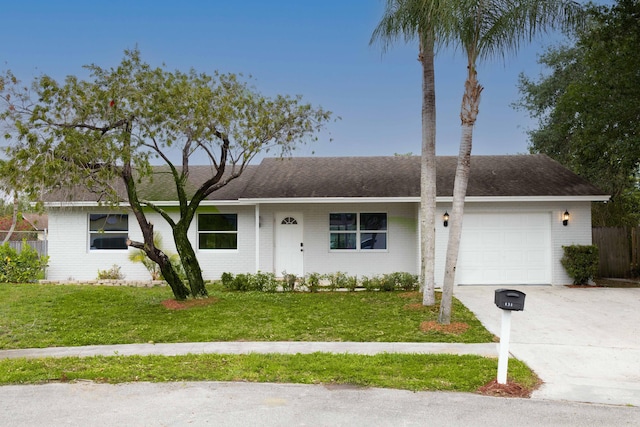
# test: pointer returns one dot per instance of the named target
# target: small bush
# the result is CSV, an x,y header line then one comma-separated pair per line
x,y
313,282
337,280
580,262
263,282
352,283
371,283
388,283
24,267
227,281
113,273
289,283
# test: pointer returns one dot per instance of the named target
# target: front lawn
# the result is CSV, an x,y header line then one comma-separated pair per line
x,y
34,315
73,315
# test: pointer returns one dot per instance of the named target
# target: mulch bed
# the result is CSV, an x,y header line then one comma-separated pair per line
x,y
171,304
505,390
455,328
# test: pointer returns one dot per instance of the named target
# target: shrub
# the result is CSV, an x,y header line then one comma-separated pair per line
x,y
227,281
580,262
313,282
26,266
289,283
113,273
262,282
352,283
337,280
371,283
388,283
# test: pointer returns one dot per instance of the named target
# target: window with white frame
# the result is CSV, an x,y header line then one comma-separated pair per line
x,y
218,231
108,231
358,231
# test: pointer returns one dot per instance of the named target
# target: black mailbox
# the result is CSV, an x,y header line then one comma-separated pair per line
x,y
509,299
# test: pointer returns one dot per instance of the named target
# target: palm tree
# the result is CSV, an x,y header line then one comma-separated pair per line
x,y
414,19
485,29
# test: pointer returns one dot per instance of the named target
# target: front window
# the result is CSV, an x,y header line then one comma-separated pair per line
x,y
108,231
353,231
218,231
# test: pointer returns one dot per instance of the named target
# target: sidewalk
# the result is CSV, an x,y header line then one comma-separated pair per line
x,y
287,347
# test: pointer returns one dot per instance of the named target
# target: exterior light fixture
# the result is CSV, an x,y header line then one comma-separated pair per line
x,y
565,218
445,218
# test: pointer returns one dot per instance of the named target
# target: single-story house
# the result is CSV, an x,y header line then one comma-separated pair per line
x,y
358,215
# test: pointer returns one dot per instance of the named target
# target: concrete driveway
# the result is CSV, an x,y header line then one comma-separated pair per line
x,y
584,343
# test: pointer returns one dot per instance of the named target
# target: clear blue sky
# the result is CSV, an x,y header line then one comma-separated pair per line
x,y
318,49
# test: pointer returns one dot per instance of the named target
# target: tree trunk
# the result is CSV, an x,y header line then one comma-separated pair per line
x,y
180,291
14,218
468,115
428,172
189,261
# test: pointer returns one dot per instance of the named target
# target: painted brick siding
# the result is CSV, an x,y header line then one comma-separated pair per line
x,y
318,258
70,257
69,254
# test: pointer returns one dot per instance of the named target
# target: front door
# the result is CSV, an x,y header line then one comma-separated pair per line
x,y
289,249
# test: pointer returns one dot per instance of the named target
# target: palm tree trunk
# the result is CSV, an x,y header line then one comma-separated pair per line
x,y
428,172
468,116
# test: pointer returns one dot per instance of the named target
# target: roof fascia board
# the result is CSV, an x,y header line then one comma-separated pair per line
x,y
325,200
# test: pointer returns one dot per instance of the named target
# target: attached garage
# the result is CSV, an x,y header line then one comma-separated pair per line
x,y
505,249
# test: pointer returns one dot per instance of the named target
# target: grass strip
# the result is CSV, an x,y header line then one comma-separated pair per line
x,y
414,372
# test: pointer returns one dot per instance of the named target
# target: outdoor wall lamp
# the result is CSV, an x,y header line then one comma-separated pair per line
x,y
565,218
445,218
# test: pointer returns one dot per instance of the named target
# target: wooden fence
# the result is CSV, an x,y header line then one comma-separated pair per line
x,y
619,249
38,245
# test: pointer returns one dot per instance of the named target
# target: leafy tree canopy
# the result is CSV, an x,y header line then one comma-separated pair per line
x,y
104,133
588,108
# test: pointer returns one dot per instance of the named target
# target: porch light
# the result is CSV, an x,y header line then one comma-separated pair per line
x,y
445,218
565,218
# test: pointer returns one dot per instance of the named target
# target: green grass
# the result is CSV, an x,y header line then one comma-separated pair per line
x,y
34,315
401,371
72,315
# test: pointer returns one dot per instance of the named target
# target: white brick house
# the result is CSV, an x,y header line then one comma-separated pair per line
x,y
353,214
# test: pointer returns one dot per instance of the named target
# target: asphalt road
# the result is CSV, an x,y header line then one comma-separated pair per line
x,y
249,404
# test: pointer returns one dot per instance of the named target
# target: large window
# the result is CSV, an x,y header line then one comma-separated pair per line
x,y
218,231
358,231
108,231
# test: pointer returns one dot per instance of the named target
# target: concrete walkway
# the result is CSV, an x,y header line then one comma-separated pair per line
x,y
584,343
286,347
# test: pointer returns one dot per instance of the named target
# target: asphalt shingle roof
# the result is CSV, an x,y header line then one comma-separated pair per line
x,y
378,177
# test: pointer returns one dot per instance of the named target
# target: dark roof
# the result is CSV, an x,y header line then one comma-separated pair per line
x,y
399,176
379,177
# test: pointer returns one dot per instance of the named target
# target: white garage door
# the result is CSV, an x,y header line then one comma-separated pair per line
x,y
505,249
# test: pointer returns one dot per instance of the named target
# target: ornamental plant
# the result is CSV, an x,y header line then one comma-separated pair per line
x,y
23,267
580,262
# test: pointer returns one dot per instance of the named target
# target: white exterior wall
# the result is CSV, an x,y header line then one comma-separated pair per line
x,y
401,239
71,259
68,248
241,260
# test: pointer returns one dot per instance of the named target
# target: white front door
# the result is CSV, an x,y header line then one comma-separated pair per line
x,y
289,250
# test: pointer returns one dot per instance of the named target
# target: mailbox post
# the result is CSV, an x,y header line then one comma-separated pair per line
x,y
508,300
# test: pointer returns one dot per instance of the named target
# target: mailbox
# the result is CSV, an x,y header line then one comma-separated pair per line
x,y
509,299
